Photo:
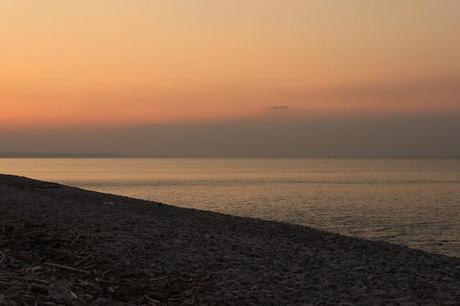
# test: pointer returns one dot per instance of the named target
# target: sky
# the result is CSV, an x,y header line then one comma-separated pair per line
x,y
86,68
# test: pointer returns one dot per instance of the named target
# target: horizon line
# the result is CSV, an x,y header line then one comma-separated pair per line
x,y
88,155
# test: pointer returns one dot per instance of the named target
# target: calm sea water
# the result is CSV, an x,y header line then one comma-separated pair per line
x,y
412,202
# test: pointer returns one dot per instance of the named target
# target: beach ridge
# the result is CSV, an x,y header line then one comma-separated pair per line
x,y
62,245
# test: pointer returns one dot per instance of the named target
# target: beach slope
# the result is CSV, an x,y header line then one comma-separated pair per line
x,y
61,245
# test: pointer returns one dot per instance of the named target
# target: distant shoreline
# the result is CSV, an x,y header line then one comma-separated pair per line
x,y
61,244
63,155
121,156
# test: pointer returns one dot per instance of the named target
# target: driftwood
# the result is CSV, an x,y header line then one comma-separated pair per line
x,y
37,261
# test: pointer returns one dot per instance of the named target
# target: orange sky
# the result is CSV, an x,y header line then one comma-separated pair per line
x,y
112,62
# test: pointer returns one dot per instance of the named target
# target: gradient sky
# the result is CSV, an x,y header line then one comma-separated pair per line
x,y
92,67
113,62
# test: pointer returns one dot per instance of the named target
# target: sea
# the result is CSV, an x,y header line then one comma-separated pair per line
x,y
413,202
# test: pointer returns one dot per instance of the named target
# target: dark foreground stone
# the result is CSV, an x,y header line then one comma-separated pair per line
x,y
66,246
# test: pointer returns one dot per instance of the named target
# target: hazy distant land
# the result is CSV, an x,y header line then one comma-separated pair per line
x,y
61,155
122,155
70,246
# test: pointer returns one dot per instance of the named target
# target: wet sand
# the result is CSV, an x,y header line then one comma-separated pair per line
x,y
61,245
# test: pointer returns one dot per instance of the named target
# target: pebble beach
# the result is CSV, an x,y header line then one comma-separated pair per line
x,y
61,245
